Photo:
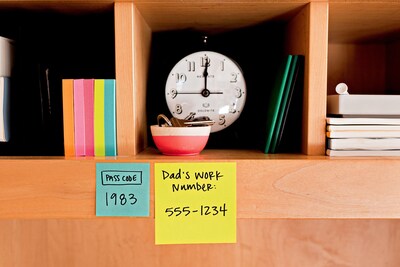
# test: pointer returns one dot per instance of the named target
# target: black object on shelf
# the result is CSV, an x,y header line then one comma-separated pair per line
x,y
50,46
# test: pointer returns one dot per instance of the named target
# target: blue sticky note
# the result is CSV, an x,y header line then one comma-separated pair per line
x,y
123,189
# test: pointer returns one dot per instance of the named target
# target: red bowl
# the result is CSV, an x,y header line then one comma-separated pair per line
x,y
180,141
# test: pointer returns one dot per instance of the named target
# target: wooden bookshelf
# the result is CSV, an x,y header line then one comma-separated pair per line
x,y
342,40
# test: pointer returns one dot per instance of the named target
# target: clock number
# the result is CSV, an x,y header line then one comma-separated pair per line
x,y
221,120
222,65
173,93
191,66
190,117
180,78
178,109
205,61
234,77
238,93
232,109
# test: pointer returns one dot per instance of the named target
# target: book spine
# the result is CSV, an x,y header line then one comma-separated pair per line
x,y
99,142
364,143
89,116
275,103
79,117
110,118
284,103
68,116
4,109
363,134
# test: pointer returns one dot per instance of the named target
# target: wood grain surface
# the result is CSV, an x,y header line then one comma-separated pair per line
x,y
130,242
267,187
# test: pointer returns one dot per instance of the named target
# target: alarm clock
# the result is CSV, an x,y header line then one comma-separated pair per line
x,y
206,84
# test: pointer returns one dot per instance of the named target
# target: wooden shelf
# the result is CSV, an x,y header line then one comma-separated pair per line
x,y
363,21
215,15
363,46
271,186
47,204
65,6
268,186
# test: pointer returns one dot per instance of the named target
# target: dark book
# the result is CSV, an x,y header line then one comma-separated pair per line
x,y
284,107
275,102
290,135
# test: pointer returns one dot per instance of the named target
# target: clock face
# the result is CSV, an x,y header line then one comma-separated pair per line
x,y
206,84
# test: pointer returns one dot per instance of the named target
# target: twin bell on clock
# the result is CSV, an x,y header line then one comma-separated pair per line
x,y
202,86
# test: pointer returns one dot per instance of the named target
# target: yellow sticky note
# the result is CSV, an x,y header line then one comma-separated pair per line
x,y
195,202
99,137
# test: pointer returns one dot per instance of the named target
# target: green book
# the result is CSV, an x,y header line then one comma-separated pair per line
x,y
275,101
283,109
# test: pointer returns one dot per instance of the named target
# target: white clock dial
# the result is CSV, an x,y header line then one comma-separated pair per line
x,y
208,84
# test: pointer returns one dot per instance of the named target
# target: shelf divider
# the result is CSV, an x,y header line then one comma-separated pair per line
x,y
132,50
307,34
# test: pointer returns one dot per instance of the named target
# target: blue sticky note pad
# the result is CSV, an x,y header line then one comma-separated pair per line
x,y
123,189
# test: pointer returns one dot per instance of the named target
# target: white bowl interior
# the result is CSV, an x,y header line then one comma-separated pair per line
x,y
180,131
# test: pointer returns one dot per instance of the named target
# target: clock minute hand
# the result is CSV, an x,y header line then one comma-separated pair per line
x,y
205,92
205,74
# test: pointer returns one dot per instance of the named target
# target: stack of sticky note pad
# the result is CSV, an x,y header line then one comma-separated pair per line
x,y
89,117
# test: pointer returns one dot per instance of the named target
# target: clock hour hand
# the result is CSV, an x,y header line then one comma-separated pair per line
x,y
199,93
175,92
204,92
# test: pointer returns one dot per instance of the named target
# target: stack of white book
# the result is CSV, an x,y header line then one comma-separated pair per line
x,y
363,136
363,125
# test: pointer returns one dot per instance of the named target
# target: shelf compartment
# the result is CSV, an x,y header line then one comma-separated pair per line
x,y
136,22
214,16
364,41
268,186
77,45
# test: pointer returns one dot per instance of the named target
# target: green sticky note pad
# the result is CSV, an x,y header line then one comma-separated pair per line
x,y
123,189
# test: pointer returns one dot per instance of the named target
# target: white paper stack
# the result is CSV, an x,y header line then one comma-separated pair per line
x,y
363,136
362,125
